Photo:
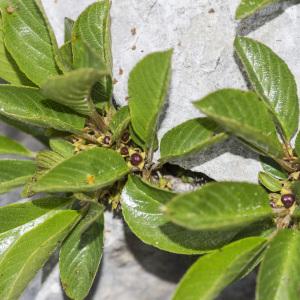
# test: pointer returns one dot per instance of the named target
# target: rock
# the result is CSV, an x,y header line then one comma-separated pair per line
x,y
201,33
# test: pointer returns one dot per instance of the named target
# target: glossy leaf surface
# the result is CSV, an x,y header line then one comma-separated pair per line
x,y
213,272
271,183
9,71
142,206
28,40
81,253
279,272
243,114
272,168
273,81
220,206
30,232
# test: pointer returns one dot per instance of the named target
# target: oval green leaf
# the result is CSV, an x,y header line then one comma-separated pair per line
x,y
297,144
273,81
213,272
243,114
63,147
28,40
15,173
188,138
278,276
9,146
28,241
87,171
249,7
272,168
148,86
81,253
220,206
28,105
142,207
269,182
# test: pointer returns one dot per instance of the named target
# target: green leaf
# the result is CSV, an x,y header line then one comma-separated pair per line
x,y
136,139
271,183
296,190
87,171
29,106
37,132
213,272
273,81
27,240
81,254
9,71
66,56
73,89
243,114
220,206
249,7
272,168
18,214
9,146
148,86
142,210
28,40
188,138
15,173
69,24
63,147
297,144
278,276
91,33
119,122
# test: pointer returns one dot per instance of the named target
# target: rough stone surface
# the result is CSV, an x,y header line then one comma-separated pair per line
x,y
203,62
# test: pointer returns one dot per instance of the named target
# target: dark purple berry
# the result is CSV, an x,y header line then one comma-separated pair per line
x,y
125,137
136,159
288,200
106,140
124,151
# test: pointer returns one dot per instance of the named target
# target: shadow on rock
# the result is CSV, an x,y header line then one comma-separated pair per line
x,y
263,16
167,266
